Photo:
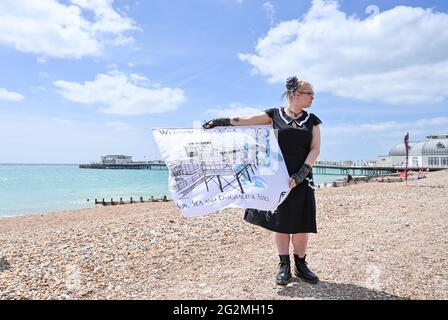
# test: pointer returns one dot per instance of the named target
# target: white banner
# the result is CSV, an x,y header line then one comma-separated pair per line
x,y
213,169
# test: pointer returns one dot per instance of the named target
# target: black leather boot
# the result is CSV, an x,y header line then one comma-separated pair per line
x,y
284,272
302,271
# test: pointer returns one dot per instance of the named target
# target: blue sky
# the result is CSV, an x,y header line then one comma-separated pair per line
x,y
84,78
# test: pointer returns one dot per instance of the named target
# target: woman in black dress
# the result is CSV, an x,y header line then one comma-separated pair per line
x,y
299,141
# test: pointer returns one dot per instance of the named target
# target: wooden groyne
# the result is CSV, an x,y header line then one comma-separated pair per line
x,y
113,202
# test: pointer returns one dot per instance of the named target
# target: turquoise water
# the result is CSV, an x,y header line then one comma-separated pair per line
x,y
28,189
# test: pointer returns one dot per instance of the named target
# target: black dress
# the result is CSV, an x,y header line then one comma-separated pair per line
x,y
297,213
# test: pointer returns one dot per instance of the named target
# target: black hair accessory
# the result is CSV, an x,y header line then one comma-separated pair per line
x,y
291,84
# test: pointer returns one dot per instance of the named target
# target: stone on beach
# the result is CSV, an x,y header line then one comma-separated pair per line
x,y
375,241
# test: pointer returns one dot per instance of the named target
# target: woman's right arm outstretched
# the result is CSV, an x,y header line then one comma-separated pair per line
x,y
251,120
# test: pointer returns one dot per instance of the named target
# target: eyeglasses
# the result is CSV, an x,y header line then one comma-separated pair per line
x,y
308,93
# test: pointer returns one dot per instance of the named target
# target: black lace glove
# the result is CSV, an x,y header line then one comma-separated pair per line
x,y
220,122
300,175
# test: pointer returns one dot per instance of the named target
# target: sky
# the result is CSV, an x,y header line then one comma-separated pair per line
x,y
85,78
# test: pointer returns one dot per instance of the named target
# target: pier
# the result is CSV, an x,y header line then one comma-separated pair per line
x,y
119,161
353,170
369,171
320,167
140,166
317,168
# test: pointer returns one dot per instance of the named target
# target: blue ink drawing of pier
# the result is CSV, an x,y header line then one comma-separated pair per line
x,y
215,166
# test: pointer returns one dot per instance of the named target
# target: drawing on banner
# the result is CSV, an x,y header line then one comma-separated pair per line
x,y
209,165
223,167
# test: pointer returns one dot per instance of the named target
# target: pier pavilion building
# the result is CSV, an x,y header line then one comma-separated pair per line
x,y
429,153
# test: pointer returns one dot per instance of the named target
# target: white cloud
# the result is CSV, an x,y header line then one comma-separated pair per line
x,y
395,56
233,110
106,18
120,40
138,77
37,89
10,96
270,11
437,123
118,93
53,29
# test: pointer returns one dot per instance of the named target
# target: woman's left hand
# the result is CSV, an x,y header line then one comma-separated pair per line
x,y
292,183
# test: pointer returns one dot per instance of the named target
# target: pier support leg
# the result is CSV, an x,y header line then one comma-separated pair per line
x,y
239,183
220,184
248,176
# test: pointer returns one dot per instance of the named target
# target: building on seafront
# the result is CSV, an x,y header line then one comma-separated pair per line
x,y
116,159
429,153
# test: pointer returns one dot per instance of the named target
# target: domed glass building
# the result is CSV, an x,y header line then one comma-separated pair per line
x,y
429,153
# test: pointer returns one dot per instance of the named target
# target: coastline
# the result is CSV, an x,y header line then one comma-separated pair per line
x,y
375,241
36,189
328,184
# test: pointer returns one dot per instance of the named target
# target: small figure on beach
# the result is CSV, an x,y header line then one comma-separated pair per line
x,y
299,141
421,174
349,179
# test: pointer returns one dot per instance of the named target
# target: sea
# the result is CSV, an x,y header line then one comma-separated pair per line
x,y
38,188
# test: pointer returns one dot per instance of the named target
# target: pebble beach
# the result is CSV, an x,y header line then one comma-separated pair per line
x,y
375,241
